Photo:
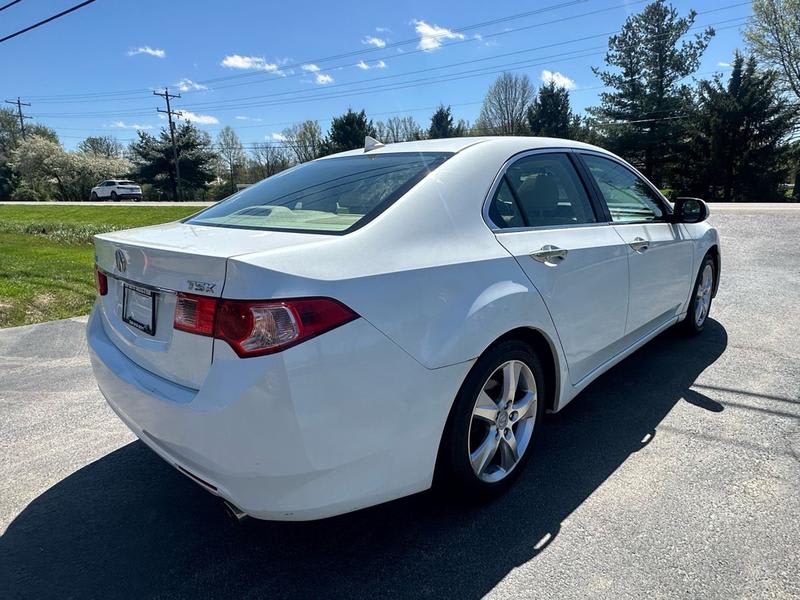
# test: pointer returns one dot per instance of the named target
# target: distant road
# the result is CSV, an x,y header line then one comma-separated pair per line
x,y
715,206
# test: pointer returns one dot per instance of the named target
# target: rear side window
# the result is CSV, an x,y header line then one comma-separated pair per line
x,y
542,190
628,197
333,195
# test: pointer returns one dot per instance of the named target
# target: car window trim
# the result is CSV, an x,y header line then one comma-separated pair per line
x,y
597,209
664,204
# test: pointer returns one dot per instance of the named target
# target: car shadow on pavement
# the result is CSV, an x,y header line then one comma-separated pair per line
x,y
128,525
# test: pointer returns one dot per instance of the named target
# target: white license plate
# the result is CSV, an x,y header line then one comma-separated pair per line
x,y
139,308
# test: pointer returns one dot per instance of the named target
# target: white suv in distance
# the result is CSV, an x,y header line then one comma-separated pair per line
x,y
117,189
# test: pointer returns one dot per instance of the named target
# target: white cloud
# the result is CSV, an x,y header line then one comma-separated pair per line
x,y
123,125
364,66
383,29
311,68
278,137
187,84
374,41
157,52
724,65
323,79
253,63
559,79
244,118
431,36
187,115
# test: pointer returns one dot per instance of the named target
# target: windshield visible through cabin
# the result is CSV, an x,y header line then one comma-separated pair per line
x,y
333,195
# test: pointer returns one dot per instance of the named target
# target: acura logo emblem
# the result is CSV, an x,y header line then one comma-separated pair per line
x,y
121,261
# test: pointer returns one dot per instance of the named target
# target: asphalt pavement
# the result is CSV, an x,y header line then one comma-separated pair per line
x,y
674,475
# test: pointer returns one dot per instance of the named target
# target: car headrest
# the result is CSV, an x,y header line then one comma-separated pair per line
x,y
539,195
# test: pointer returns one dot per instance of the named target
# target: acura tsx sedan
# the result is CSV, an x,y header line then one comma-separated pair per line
x,y
360,327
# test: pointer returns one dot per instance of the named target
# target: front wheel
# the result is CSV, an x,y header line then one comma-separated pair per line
x,y
491,429
94,196
700,304
113,196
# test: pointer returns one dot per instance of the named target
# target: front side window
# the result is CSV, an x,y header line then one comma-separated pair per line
x,y
332,195
628,197
541,190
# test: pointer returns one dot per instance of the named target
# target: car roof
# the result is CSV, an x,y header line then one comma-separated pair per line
x,y
510,143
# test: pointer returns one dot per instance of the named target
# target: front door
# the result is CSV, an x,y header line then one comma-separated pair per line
x,y
541,213
660,253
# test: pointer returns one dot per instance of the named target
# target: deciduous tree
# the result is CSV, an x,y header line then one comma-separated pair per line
x,y
505,105
231,155
305,140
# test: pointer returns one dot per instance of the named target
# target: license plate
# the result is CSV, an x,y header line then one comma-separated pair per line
x,y
139,308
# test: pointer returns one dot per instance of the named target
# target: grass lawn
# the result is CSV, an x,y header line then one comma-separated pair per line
x,y
46,256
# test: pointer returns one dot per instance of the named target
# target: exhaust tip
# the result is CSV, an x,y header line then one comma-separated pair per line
x,y
234,513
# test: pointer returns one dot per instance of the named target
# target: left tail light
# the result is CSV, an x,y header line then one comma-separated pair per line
x,y
258,327
102,282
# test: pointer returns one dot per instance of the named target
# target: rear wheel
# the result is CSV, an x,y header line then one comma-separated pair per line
x,y
700,304
491,430
113,196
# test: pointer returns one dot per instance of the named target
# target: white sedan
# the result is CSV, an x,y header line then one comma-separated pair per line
x,y
116,189
360,327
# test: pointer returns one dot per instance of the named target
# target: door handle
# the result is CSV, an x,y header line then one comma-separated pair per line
x,y
550,255
639,244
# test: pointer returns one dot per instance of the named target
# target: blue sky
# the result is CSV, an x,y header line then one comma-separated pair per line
x,y
259,66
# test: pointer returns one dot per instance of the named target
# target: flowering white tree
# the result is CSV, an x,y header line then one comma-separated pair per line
x,y
48,172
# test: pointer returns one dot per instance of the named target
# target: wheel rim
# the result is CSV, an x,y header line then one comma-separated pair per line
x,y
702,300
502,421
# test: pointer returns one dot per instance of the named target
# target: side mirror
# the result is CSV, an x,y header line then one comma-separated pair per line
x,y
690,210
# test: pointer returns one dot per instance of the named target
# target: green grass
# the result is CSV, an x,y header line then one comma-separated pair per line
x,y
77,224
46,256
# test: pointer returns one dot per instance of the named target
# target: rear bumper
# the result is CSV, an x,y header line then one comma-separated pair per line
x,y
341,422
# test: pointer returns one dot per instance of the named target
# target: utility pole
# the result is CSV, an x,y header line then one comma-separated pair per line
x,y
22,117
169,112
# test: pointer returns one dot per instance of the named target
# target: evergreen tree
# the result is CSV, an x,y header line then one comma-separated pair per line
x,y
348,131
738,144
642,115
550,114
442,125
152,157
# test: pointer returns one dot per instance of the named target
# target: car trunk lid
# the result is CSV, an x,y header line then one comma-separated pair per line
x,y
148,267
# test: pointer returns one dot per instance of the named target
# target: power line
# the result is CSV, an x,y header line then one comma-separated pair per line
x,y
19,103
47,20
176,184
93,96
310,95
9,5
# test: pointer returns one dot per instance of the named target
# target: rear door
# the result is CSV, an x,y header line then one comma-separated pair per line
x,y
660,252
541,212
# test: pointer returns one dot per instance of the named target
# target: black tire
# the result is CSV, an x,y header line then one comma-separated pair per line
x,y
94,196
113,196
454,472
690,325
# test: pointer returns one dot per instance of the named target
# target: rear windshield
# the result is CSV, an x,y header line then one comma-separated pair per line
x,y
125,182
334,195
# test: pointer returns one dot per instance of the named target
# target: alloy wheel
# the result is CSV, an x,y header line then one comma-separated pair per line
x,y
702,301
502,421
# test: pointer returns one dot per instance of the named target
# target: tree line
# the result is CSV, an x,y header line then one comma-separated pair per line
x,y
732,138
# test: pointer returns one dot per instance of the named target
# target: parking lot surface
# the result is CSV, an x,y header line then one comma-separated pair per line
x,y
675,475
